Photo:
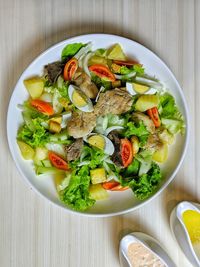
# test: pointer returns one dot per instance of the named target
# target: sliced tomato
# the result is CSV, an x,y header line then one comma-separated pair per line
x,y
109,185
154,115
57,161
126,152
102,72
70,69
42,106
114,186
126,63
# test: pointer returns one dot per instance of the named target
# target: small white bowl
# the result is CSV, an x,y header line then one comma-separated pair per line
x,y
180,232
148,242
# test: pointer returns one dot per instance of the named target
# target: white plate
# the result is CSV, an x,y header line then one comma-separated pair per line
x,y
119,202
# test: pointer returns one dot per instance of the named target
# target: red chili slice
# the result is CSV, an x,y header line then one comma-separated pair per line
x,y
114,186
126,152
42,106
154,115
57,161
70,69
102,72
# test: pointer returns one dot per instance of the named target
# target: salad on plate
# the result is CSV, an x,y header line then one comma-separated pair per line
x,y
97,123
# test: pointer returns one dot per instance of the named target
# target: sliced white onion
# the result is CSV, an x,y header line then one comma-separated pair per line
x,y
101,90
83,51
65,118
85,63
45,124
129,88
84,163
80,61
148,82
112,176
57,107
108,160
125,76
47,97
57,148
151,91
112,128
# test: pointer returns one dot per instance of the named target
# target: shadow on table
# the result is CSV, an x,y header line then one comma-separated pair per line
x,y
33,47
175,194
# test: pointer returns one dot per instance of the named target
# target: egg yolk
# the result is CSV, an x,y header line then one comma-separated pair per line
x,y
78,99
191,219
97,141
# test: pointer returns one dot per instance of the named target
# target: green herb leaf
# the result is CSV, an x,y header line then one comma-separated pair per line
x,y
138,129
70,50
145,185
38,137
76,194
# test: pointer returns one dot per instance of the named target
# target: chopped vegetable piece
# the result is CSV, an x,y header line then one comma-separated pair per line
x,y
34,86
145,102
98,176
135,144
115,68
154,115
97,192
97,141
126,152
58,162
116,53
116,84
54,127
102,72
41,153
166,137
70,69
57,119
97,60
42,107
161,154
26,150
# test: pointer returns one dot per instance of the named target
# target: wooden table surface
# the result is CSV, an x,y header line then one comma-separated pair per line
x,y
34,233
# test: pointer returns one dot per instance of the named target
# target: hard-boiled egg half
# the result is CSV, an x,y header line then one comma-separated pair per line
x,y
136,88
101,142
79,99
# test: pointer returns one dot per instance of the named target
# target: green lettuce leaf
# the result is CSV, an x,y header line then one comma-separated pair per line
x,y
138,129
132,169
145,185
171,117
137,68
76,194
70,50
94,156
109,120
38,137
101,82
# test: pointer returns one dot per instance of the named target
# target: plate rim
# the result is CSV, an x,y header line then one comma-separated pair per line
x,y
164,185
